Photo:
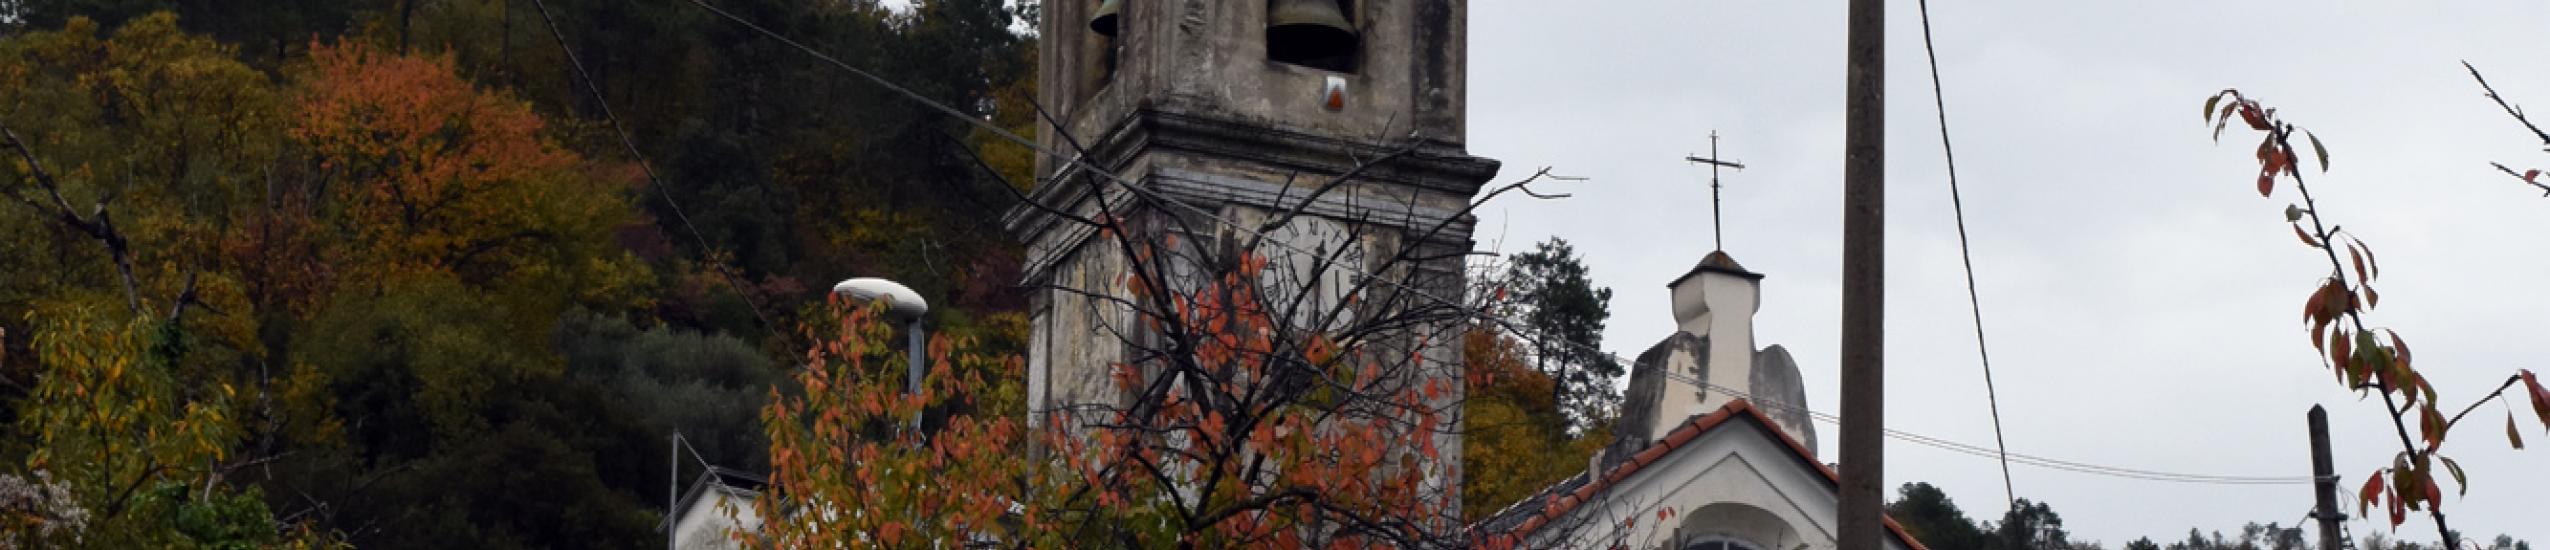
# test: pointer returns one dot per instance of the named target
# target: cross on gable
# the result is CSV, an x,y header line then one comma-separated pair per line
x,y
1717,229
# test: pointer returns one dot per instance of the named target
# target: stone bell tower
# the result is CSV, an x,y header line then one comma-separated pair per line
x,y
1211,107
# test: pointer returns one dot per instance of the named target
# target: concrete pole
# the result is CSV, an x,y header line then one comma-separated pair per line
x,y
1864,282
916,353
673,493
2324,482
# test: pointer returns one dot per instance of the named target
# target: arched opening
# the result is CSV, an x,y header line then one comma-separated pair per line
x,y
1720,543
1734,526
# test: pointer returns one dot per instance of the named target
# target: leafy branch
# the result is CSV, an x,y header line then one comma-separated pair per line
x,y
2361,359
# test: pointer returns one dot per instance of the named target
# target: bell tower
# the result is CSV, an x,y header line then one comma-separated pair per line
x,y
1217,113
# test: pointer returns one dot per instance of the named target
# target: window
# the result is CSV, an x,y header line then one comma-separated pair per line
x,y
1720,543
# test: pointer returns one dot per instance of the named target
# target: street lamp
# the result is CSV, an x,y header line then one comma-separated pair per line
x,y
902,303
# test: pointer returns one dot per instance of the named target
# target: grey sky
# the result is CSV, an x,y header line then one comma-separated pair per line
x,y
2141,297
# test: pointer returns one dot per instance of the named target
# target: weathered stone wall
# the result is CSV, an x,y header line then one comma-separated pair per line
x,y
1194,115
1781,394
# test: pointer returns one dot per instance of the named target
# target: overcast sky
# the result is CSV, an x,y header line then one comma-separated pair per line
x,y
2141,298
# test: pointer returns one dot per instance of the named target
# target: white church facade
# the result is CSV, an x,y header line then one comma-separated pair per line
x,y
1714,449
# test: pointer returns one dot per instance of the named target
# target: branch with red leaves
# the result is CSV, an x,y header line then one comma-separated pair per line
x,y
2362,358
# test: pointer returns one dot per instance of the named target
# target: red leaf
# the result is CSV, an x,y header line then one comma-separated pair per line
x,y
2297,228
2434,495
2431,424
2529,175
2372,490
2512,435
2399,512
2540,397
2360,273
2250,113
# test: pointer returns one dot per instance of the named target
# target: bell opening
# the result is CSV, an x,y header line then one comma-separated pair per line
x,y
1312,33
1104,21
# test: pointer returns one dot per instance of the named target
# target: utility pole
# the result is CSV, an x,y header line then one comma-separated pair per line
x,y
1717,221
1864,281
673,494
2324,482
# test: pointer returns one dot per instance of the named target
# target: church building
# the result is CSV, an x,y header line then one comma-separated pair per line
x,y
1714,448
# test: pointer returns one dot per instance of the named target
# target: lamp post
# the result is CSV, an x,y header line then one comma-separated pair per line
x,y
902,303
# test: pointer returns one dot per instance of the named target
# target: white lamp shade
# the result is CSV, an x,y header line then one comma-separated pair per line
x,y
900,300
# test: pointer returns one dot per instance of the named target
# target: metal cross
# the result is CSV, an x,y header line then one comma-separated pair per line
x,y
1717,229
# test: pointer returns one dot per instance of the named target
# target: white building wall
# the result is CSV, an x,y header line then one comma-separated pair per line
x,y
705,525
1734,480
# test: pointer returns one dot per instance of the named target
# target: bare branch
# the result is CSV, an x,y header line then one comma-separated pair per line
x,y
2511,110
2501,167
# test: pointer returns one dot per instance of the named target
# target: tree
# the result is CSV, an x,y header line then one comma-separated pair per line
x,y
129,418
1932,518
1556,300
708,387
1514,437
2363,358
850,471
2029,526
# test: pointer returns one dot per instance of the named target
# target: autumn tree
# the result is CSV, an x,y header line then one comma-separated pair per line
x,y
457,232
850,472
1515,440
131,162
2364,357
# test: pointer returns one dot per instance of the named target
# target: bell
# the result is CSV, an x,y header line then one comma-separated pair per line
x,y
1299,31
1105,21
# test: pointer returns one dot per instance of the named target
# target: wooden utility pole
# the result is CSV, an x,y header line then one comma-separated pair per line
x,y
1864,282
2324,482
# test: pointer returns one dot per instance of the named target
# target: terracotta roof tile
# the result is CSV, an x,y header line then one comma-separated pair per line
x,y
1559,505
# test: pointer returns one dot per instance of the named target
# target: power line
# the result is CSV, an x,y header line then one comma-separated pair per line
x,y
1519,332
2031,460
658,183
1965,252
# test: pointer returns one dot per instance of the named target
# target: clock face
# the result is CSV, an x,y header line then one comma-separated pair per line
x,y
1317,260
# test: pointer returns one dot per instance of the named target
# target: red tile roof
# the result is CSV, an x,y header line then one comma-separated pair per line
x,y
1680,437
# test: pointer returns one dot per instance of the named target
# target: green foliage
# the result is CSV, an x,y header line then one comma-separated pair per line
x,y
709,387
2029,526
1558,300
1932,518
